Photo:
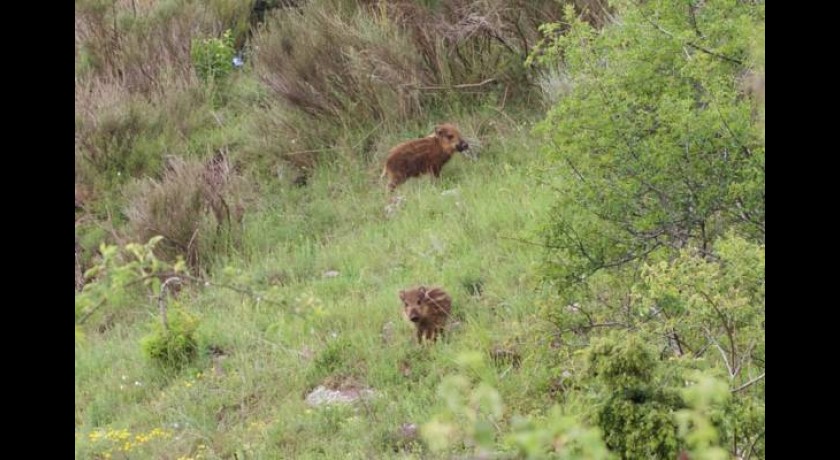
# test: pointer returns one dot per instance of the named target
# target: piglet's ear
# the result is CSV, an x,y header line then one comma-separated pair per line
x,y
402,295
422,290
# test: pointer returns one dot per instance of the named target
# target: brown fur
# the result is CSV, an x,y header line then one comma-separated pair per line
x,y
423,156
428,309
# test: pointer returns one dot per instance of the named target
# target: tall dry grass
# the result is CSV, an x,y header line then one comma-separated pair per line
x,y
196,206
335,67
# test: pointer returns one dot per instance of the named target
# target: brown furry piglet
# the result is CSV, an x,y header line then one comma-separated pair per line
x,y
423,156
428,309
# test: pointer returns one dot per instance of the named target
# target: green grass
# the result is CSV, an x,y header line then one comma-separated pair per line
x,y
456,232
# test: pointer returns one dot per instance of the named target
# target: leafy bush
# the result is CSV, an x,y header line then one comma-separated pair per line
x,y
562,435
633,409
659,223
172,343
472,410
695,423
122,276
655,145
473,417
700,314
213,57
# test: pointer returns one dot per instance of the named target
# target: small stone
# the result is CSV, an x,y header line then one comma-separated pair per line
x,y
323,395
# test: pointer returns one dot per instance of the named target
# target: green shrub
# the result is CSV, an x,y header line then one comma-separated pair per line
x,y
633,409
658,226
172,344
472,416
122,277
213,57
655,144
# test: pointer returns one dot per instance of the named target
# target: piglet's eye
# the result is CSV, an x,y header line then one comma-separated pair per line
x,y
450,137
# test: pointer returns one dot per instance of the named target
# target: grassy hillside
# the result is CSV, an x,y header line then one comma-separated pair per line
x,y
467,232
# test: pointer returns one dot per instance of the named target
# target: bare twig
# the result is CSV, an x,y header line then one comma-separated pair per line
x,y
575,170
631,257
366,136
746,217
250,293
699,353
162,300
80,278
749,383
217,118
587,315
722,353
90,312
445,87
502,113
529,242
304,152
676,339
597,325
192,239
752,446
692,9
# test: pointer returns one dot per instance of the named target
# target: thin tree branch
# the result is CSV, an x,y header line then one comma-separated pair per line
x,y
722,353
250,293
730,333
676,339
529,242
692,9
90,312
752,446
749,384
183,276
694,45
593,326
444,87
162,300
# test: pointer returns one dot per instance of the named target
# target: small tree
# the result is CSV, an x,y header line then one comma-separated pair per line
x,y
122,276
659,222
656,144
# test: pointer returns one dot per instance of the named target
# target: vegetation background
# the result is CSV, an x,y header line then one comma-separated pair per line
x,y
236,251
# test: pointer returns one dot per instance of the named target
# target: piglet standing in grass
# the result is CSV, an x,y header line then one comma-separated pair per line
x,y
423,156
428,309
